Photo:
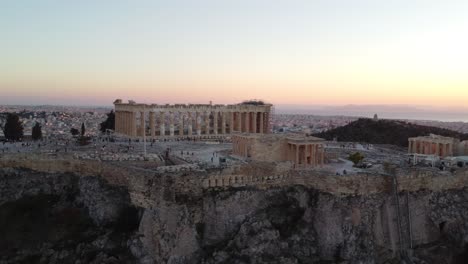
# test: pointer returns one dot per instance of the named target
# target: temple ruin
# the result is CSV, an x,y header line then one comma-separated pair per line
x,y
304,151
193,120
437,145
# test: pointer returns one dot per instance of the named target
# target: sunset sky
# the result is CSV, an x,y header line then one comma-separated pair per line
x,y
327,52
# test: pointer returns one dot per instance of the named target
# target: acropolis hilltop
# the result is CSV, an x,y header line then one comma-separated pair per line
x,y
213,159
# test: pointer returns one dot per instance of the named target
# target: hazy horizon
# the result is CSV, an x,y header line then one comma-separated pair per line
x,y
405,112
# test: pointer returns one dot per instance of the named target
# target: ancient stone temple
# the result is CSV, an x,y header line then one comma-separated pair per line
x,y
304,151
433,145
193,120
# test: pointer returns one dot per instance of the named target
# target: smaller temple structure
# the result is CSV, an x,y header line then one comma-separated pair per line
x,y
304,151
434,145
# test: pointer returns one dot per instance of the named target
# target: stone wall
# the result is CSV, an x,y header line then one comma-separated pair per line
x,y
359,184
144,184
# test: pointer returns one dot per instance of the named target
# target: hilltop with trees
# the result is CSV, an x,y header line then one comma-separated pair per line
x,y
385,132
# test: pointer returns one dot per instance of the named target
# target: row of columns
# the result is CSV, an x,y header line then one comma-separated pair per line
x,y
191,123
430,148
306,154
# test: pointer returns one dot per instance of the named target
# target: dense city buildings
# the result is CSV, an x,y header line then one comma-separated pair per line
x,y
308,123
57,120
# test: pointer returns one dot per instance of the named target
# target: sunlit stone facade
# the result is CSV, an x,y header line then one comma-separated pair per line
x,y
193,120
303,151
434,145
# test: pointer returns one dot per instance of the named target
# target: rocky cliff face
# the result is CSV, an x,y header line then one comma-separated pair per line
x,y
300,225
64,218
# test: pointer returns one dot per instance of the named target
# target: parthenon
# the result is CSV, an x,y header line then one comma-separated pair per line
x,y
193,120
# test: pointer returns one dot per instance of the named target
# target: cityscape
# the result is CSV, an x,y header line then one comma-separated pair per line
x,y
59,120
240,132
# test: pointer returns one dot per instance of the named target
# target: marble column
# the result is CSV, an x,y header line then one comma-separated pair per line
x,y
316,155
189,126
162,126
198,123
303,152
152,125
223,123
313,158
129,124
231,122
171,124
207,123
142,124
124,123
239,121
130,115
322,156
181,124
129,130
246,122
134,124
215,122
297,155
254,122
261,123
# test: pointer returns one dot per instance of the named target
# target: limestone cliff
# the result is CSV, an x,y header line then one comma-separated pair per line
x,y
86,220
301,225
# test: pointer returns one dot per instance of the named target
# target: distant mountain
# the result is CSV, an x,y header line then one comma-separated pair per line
x,y
385,132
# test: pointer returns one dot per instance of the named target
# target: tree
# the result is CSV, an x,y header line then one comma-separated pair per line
x,y
356,158
13,129
83,129
37,132
74,132
109,123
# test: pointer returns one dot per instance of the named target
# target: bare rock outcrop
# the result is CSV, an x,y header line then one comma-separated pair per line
x,y
69,218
